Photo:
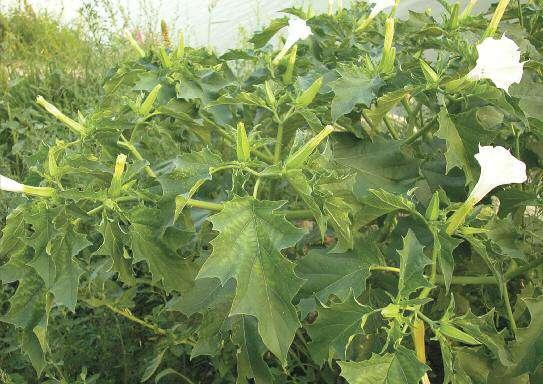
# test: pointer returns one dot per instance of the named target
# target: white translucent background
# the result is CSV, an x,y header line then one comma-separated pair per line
x,y
220,24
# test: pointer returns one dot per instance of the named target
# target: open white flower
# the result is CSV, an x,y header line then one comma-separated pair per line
x,y
297,30
379,6
498,167
499,61
7,184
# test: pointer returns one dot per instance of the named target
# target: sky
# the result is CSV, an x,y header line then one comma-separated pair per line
x,y
215,23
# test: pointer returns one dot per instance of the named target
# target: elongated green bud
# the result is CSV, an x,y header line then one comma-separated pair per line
x,y
454,22
269,93
134,44
72,124
181,47
147,104
165,58
389,52
432,211
243,150
299,157
468,9
287,76
307,96
116,180
418,331
454,333
429,72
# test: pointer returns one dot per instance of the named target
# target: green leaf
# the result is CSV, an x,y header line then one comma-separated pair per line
x,y
527,350
248,249
337,273
260,39
377,165
32,348
400,367
113,241
507,236
388,202
300,184
447,244
483,329
160,251
352,88
455,154
179,175
530,94
385,103
479,247
250,351
27,305
412,264
337,211
213,301
335,327
64,247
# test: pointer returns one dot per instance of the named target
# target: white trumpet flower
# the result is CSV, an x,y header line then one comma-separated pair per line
x,y
498,167
379,6
10,185
297,29
499,61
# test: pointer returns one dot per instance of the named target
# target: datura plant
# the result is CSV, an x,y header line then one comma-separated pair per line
x,y
363,206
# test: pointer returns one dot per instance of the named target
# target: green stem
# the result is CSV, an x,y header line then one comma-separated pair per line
x,y
299,214
472,280
278,143
202,204
426,128
391,128
384,268
507,303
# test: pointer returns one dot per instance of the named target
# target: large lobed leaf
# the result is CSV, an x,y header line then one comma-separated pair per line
x,y
248,249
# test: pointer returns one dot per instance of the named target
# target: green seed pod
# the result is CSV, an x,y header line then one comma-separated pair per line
x,y
147,104
269,93
391,311
451,332
432,211
429,72
243,149
307,96
299,157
